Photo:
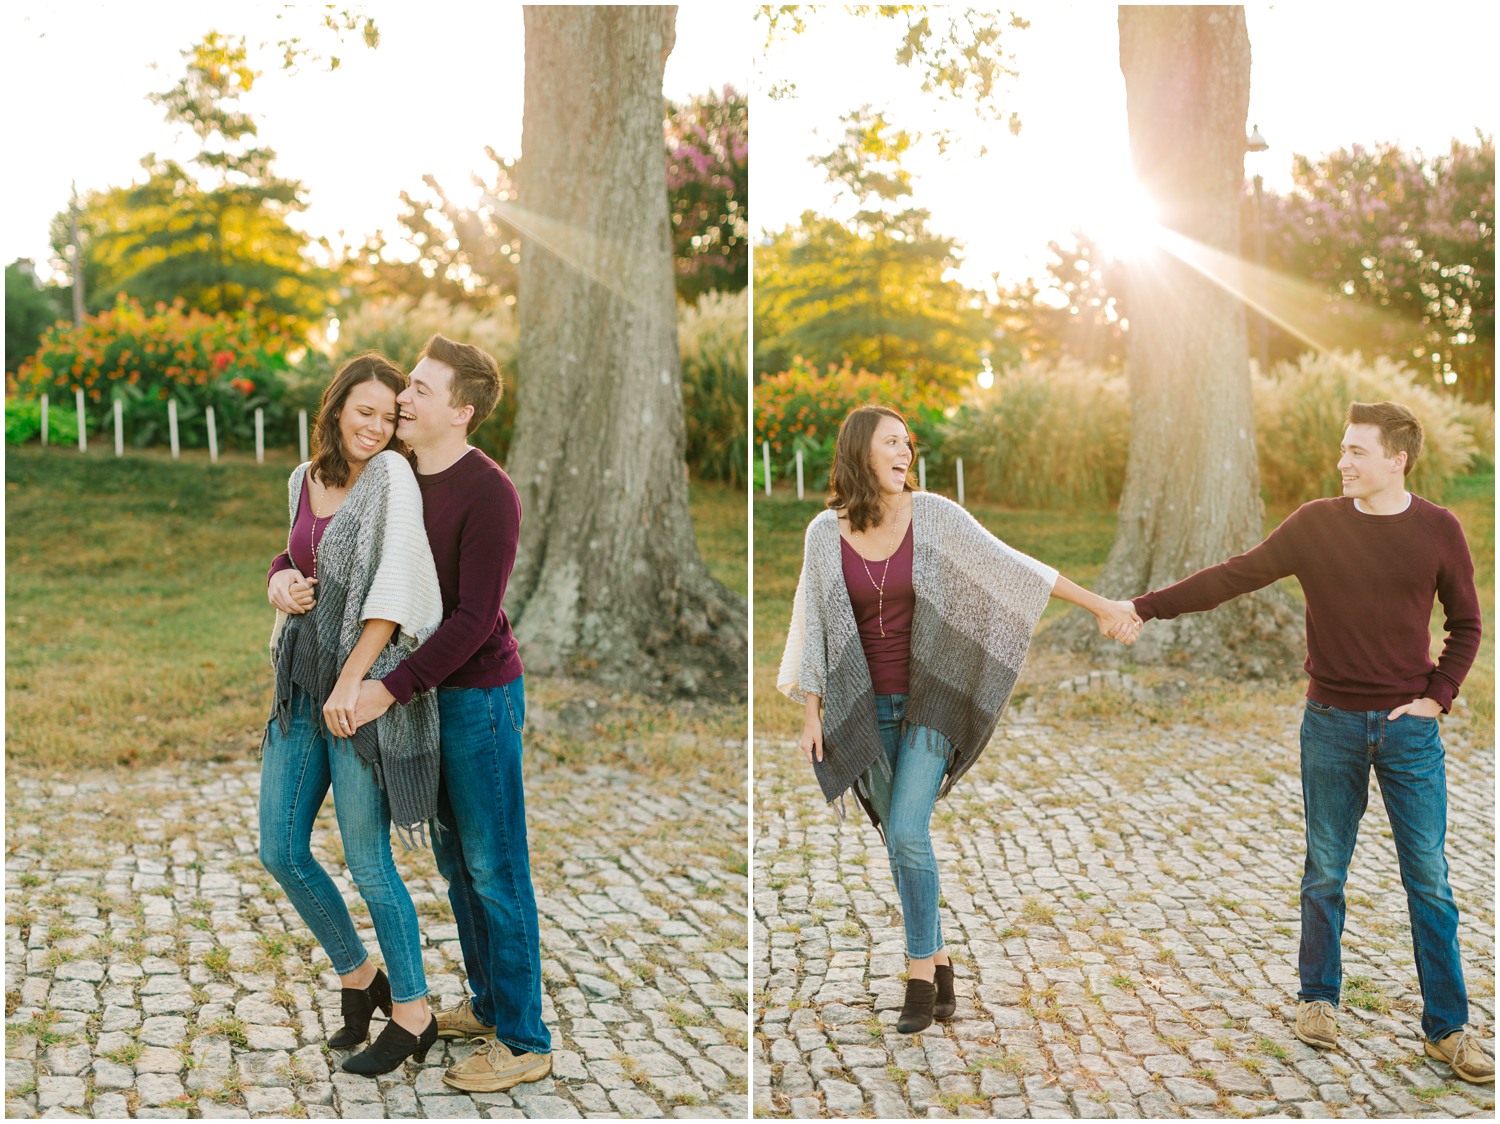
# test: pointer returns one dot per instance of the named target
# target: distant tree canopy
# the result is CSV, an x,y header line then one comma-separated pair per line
x,y
870,290
1402,246
470,254
1380,251
1076,310
213,232
30,309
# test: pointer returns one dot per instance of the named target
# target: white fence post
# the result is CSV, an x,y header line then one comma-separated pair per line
x,y
960,463
45,426
799,474
83,438
172,426
922,473
302,433
260,435
765,460
119,428
213,437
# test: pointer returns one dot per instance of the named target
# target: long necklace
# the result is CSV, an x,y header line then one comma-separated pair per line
x,y
316,516
317,505
880,585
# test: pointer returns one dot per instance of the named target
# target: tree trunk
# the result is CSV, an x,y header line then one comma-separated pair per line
x,y
1192,488
608,578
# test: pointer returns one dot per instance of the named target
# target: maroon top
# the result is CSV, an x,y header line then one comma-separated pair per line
x,y
1369,582
889,656
303,542
472,513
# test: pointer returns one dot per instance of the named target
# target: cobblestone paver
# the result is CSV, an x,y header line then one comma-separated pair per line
x,y
1120,901
154,969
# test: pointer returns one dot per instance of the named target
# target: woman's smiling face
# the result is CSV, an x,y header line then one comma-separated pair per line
x,y
890,456
368,420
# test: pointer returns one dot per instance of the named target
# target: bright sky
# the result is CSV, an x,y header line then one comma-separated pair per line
x,y
445,81
1324,76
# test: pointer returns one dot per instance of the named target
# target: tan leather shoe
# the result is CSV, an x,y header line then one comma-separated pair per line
x,y
492,1068
1461,1050
459,1022
1315,1024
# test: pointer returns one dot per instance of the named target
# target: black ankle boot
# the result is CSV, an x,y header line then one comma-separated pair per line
x,y
358,1004
394,1045
916,1012
946,1002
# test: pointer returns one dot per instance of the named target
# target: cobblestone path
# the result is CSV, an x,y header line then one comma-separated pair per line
x,y
1120,902
154,969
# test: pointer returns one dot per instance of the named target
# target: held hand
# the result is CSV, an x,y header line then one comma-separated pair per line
x,y
1119,621
812,738
290,592
1422,708
338,711
374,700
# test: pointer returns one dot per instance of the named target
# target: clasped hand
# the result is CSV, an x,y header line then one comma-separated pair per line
x,y
1119,621
355,704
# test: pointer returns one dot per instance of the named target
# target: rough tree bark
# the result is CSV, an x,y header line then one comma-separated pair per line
x,y
1192,488
608,578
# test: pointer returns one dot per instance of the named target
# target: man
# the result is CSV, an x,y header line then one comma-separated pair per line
x,y
1369,564
473,517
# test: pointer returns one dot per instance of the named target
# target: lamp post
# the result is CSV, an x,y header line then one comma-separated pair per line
x,y
1257,143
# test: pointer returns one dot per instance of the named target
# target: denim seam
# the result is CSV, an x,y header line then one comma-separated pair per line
x,y
464,884
390,881
533,953
295,869
510,707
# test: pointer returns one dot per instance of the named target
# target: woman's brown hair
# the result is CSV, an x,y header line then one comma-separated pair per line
x,y
330,466
852,488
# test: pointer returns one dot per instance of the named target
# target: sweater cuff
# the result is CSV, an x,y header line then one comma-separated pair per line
x,y
1145,606
400,684
282,561
1441,692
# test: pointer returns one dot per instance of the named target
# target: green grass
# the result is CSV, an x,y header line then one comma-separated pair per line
x,y
136,616
1077,543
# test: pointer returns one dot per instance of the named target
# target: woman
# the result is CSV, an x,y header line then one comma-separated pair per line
x,y
357,536
909,628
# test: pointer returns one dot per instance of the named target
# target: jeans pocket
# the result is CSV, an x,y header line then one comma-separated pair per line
x,y
1319,708
515,703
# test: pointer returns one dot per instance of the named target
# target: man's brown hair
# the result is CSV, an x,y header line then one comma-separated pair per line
x,y
476,376
1400,431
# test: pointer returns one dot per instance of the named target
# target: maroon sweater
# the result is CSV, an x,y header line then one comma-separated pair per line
x,y
888,656
1369,582
473,517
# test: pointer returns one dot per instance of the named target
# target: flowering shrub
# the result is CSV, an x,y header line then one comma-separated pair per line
x,y
227,361
801,408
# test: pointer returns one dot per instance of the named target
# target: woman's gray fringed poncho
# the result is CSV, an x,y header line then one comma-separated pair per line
x,y
374,563
977,603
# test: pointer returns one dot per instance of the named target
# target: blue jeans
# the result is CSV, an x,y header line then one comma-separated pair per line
x,y
903,794
296,771
481,851
1339,748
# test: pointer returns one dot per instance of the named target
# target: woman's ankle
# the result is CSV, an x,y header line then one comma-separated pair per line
x,y
359,979
412,1017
